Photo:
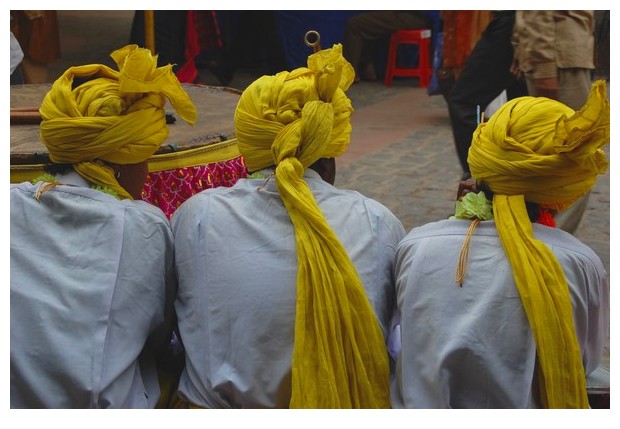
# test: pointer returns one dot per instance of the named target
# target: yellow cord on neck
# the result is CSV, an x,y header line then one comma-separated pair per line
x,y
464,255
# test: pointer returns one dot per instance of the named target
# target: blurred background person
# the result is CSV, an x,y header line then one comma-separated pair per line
x,y
17,55
39,38
554,51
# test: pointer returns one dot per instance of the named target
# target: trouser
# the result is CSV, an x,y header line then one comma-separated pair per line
x,y
574,88
368,28
485,74
34,72
170,27
17,77
254,41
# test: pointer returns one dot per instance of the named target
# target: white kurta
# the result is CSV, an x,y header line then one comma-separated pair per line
x,y
89,278
237,268
472,346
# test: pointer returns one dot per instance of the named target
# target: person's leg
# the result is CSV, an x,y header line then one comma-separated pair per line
x,y
273,59
574,86
17,77
136,35
170,27
516,88
353,42
39,39
574,89
485,74
372,26
34,72
170,35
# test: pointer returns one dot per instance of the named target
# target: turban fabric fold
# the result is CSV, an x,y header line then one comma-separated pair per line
x,y
291,120
539,150
116,116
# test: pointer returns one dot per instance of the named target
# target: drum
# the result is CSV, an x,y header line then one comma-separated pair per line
x,y
190,160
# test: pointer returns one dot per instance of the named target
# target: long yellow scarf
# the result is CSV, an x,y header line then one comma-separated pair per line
x,y
117,117
291,120
539,150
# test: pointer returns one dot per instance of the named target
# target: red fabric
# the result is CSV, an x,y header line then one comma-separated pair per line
x,y
188,72
545,217
202,32
207,29
169,189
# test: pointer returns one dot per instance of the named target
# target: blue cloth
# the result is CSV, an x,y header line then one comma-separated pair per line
x,y
293,26
331,25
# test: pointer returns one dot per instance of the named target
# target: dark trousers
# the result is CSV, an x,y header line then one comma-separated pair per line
x,y
17,77
251,40
363,32
170,27
485,74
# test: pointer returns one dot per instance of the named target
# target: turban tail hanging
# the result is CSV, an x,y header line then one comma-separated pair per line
x,y
539,150
117,116
291,120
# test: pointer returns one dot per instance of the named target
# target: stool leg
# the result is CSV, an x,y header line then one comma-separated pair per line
x,y
424,63
391,62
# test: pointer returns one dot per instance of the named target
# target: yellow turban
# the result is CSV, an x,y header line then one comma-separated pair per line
x,y
539,150
291,120
542,149
117,117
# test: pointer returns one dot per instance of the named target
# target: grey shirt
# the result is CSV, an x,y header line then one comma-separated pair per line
x,y
237,268
90,277
472,346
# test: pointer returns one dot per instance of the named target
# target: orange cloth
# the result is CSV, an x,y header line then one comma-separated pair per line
x,y
461,29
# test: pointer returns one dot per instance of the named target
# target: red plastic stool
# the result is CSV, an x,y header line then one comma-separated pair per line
x,y
423,71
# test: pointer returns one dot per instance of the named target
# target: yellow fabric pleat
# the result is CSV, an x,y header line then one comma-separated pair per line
x,y
544,292
291,120
554,151
539,150
117,116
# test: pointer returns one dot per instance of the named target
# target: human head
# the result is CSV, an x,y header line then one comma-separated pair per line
x,y
114,119
303,114
292,121
542,149
538,150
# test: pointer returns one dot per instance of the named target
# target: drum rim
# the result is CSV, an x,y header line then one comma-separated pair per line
x,y
159,162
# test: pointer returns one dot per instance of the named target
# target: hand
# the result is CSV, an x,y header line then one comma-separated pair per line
x,y
547,87
515,70
465,187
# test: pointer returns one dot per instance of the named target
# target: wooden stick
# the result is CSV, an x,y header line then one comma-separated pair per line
x,y
25,109
149,30
25,116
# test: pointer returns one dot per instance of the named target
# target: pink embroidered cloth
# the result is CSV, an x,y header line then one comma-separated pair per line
x,y
170,188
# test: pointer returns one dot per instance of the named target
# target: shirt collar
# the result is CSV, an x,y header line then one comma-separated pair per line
x,y
72,178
